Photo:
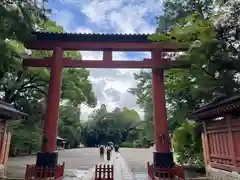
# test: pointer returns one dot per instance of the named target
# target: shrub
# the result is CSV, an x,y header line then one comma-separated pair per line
x,y
187,144
127,145
138,144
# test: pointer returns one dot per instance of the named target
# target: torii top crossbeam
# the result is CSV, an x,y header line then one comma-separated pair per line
x,y
106,43
98,42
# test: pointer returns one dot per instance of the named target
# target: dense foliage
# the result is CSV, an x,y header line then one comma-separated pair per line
x,y
26,88
189,151
211,29
121,126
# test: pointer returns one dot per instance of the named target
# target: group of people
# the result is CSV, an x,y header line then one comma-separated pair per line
x,y
109,149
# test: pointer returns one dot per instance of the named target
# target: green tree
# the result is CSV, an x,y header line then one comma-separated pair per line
x,y
17,21
70,127
116,126
212,51
187,144
26,89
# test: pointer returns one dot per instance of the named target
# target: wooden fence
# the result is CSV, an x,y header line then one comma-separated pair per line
x,y
34,173
104,172
175,173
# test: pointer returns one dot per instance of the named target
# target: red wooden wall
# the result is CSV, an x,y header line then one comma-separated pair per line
x,y
5,138
222,144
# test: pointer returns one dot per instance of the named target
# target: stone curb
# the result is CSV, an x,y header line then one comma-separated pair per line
x,y
89,175
126,171
13,178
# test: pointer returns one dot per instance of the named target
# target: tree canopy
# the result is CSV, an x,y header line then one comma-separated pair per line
x,y
118,126
211,28
26,88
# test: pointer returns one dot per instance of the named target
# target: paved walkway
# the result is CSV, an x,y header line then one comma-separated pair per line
x,y
80,163
121,169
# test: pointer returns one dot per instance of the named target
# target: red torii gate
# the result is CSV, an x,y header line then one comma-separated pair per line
x,y
59,42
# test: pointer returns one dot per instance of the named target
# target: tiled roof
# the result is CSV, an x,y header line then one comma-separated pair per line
x,y
7,111
61,139
231,104
95,37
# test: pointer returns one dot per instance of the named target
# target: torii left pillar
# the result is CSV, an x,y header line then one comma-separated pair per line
x,y
163,157
49,155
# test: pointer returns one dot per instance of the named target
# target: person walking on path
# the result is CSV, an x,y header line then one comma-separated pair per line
x,y
109,149
116,148
101,149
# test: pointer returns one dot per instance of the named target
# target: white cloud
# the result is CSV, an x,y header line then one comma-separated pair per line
x,y
125,16
83,30
63,18
91,55
96,10
131,23
110,85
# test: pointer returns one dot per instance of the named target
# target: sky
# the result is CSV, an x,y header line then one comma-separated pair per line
x,y
109,16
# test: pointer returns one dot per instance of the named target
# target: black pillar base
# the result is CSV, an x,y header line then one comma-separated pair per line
x,y
162,160
47,159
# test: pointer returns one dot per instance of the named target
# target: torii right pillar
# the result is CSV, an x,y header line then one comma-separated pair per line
x,y
163,157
